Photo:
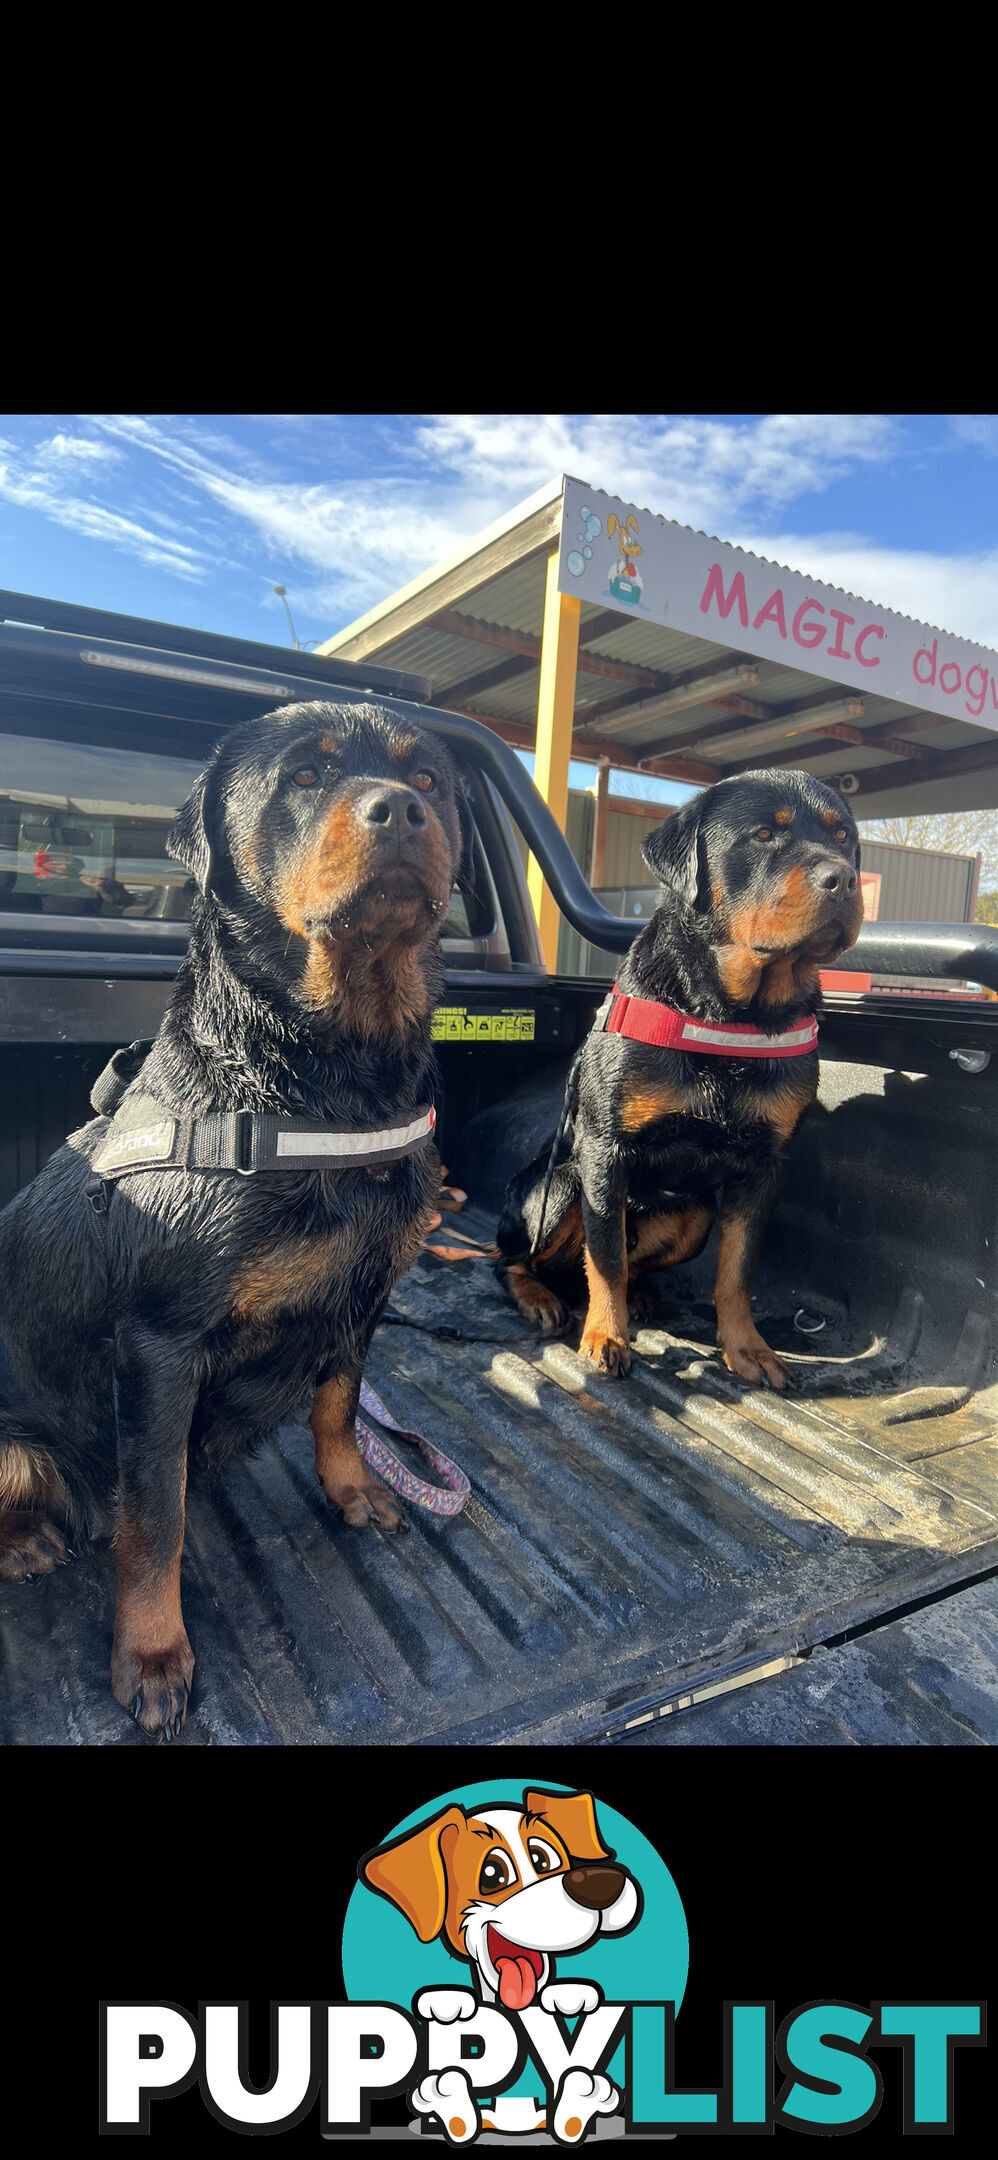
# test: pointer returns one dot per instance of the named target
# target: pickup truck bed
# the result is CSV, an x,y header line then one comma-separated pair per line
x,y
630,1547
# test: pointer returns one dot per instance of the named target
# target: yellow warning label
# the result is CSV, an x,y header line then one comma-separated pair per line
x,y
454,1023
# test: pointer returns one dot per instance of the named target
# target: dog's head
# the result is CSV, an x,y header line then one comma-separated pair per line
x,y
766,865
508,1887
331,833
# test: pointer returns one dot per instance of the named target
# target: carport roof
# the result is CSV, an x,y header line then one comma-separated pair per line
x,y
670,700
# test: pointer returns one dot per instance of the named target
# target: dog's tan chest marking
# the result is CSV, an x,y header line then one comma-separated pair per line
x,y
288,1276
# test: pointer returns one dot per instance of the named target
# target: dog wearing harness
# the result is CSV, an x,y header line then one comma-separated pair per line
x,y
700,1065
210,1256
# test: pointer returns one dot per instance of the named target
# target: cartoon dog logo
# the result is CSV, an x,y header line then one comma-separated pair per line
x,y
508,1890
625,580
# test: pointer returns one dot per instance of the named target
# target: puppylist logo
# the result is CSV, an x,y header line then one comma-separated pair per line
x,y
514,1963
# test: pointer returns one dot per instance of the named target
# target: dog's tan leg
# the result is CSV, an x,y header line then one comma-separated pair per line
x,y
152,1663
345,1477
156,1383
606,1336
744,1213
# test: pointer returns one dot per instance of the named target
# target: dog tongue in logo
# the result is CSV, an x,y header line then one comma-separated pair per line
x,y
519,1971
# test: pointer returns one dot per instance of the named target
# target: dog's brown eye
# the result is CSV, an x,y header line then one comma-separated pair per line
x,y
423,781
497,1872
305,777
542,1859
762,832
843,835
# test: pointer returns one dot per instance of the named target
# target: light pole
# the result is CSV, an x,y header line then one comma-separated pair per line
x,y
281,592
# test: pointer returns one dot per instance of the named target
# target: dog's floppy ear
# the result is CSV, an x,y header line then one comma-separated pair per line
x,y
672,853
411,1874
193,838
573,1816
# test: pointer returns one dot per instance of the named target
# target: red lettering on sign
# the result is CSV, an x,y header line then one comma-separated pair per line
x,y
838,651
931,654
714,590
950,667
815,631
872,630
772,612
980,694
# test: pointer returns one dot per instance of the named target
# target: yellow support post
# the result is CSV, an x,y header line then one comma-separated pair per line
x,y
555,715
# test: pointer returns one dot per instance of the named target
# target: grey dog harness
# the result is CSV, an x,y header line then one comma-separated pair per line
x,y
144,1135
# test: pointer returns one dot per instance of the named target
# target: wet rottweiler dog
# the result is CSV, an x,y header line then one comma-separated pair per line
x,y
760,889
148,1311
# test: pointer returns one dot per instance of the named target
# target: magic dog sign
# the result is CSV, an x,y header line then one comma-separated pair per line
x,y
514,1963
619,556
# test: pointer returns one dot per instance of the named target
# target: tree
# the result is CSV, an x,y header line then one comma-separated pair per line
x,y
987,908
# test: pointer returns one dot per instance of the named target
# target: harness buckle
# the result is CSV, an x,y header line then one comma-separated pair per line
x,y
243,1149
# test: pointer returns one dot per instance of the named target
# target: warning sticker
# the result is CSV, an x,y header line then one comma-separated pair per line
x,y
454,1023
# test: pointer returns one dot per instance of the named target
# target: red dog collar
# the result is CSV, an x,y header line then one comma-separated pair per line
x,y
644,1020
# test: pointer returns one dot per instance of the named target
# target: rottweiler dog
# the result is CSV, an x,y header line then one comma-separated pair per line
x,y
760,888
150,1311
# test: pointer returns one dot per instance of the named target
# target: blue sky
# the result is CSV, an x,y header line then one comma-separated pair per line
x,y
193,518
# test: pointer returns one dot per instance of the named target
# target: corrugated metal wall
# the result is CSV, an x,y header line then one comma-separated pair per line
x,y
919,885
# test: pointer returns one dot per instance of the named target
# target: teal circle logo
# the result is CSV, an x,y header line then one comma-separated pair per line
x,y
385,1961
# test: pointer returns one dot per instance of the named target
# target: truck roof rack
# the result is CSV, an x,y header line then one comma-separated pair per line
x,y
29,611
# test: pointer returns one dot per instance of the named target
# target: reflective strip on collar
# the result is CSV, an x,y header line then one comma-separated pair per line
x,y
290,1144
664,1026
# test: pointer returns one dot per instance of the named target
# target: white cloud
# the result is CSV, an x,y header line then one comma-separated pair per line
x,y
38,490
980,429
695,470
75,450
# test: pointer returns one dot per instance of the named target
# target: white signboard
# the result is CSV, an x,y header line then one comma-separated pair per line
x,y
618,556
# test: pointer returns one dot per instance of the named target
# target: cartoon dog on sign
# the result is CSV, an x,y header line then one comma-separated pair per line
x,y
508,1889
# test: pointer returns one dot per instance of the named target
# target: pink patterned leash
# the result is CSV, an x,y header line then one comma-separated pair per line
x,y
447,1498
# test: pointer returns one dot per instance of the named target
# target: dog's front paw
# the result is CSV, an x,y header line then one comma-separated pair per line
x,y
581,2095
570,1998
611,1353
154,1685
364,1504
446,2005
752,1359
449,2095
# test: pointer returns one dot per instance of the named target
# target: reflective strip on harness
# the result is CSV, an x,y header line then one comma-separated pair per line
x,y
644,1020
296,1144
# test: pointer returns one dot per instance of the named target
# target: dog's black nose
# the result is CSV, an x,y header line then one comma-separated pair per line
x,y
392,807
595,1887
835,878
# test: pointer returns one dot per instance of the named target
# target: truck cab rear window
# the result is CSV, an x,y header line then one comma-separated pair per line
x,y
83,830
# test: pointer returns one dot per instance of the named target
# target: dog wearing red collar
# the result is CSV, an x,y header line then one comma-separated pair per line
x,y
697,1072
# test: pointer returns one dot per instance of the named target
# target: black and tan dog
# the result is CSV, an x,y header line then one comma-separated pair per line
x,y
697,1075
142,1307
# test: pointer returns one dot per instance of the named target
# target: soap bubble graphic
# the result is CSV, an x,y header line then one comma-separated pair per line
x,y
592,527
